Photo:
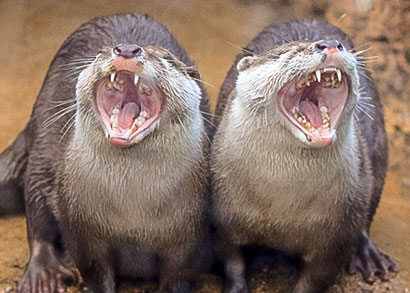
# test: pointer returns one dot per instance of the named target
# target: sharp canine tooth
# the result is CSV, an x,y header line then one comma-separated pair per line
x,y
317,72
112,77
136,78
339,75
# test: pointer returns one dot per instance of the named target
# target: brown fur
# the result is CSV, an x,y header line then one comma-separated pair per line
x,y
133,212
269,189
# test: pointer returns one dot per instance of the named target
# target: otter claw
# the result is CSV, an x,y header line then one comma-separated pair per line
x,y
371,262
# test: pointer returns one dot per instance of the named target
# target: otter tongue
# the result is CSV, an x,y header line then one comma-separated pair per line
x,y
127,115
312,113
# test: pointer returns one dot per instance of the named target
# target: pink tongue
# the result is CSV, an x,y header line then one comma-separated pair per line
x,y
311,112
127,115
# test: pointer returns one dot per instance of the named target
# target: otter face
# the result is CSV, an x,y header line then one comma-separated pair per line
x,y
308,86
133,88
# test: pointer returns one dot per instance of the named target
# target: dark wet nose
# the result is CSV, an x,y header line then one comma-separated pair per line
x,y
329,44
127,50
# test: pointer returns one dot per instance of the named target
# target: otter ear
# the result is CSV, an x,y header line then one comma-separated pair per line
x,y
245,63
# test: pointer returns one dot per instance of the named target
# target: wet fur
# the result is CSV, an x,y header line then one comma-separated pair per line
x,y
270,189
134,212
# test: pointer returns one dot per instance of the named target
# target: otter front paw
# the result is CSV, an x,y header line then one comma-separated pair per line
x,y
46,272
371,261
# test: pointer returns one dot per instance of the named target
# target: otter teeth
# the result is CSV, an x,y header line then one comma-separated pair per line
x,y
112,77
301,119
143,87
114,121
136,78
339,74
332,78
325,117
115,111
323,109
317,72
144,114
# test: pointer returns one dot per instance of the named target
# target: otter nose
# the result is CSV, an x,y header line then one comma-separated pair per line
x,y
330,46
127,50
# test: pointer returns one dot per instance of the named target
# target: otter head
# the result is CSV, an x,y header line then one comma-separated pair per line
x,y
128,90
307,87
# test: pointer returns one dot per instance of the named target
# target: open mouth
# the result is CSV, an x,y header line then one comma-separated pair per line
x,y
129,106
314,103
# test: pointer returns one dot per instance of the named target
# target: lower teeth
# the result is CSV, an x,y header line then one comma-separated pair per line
x,y
302,120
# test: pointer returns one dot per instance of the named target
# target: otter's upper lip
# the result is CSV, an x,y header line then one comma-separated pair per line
x,y
314,102
129,106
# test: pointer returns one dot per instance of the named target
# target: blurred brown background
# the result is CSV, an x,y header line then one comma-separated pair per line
x,y
212,31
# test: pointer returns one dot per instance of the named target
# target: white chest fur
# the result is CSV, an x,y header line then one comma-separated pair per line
x,y
134,191
273,178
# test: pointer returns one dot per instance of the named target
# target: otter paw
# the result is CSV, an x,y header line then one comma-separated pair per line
x,y
47,280
46,271
371,262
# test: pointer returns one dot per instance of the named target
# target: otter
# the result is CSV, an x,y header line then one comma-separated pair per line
x,y
299,158
112,163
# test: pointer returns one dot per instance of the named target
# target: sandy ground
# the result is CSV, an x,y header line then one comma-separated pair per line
x,y
32,31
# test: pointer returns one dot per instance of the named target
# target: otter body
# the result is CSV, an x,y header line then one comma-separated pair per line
x,y
112,161
295,165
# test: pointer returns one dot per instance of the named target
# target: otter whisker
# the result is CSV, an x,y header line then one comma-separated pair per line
x,y
209,121
83,58
356,53
367,57
76,63
240,48
365,68
59,114
56,116
210,114
361,109
367,104
62,102
77,67
361,46
58,105
70,122
75,73
203,116
355,116
204,82
364,75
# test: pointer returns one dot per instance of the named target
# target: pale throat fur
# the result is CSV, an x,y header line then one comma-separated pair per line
x,y
108,174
